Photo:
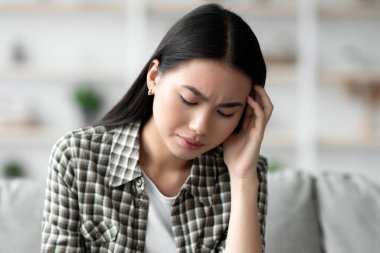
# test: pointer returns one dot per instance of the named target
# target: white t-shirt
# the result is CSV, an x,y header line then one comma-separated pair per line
x,y
159,236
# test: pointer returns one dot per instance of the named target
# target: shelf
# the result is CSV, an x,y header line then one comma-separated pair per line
x,y
271,9
281,73
265,10
274,139
50,8
37,136
277,73
340,76
29,136
358,10
49,75
178,8
355,142
245,9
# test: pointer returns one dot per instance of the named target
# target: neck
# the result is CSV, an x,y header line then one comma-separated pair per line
x,y
167,171
154,154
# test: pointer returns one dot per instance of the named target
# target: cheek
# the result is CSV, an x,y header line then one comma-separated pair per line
x,y
234,123
226,128
165,110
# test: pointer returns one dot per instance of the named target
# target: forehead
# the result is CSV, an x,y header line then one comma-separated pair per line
x,y
210,75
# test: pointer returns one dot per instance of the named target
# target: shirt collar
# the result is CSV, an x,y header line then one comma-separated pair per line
x,y
125,165
204,175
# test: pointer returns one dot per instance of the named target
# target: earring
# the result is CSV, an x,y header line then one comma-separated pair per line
x,y
150,92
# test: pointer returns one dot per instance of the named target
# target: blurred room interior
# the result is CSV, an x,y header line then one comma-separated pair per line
x,y
64,63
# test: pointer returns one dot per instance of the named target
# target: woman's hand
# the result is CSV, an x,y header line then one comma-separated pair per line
x,y
241,150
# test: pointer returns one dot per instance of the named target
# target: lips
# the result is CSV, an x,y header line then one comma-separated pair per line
x,y
190,143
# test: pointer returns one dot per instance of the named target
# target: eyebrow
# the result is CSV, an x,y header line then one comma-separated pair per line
x,y
199,94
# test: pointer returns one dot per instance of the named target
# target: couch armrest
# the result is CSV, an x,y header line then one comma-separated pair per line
x,y
292,221
349,212
21,206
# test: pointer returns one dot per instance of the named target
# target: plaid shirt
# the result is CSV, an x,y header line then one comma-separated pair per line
x,y
95,200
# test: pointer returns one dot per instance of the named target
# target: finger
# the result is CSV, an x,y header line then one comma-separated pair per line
x,y
263,97
264,101
255,120
257,126
248,111
256,107
248,116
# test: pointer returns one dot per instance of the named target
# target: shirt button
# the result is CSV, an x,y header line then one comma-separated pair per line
x,y
139,182
140,247
140,204
98,235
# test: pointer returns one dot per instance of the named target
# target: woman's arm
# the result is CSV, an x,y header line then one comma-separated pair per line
x,y
61,215
244,228
241,155
258,202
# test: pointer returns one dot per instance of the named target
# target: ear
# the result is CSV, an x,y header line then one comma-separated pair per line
x,y
153,75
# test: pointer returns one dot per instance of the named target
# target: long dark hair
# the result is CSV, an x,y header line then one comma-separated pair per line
x,y
207,32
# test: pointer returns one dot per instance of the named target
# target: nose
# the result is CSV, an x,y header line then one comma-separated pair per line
x,y
199,123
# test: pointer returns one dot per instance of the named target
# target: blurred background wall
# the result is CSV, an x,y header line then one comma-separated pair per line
x,y
64,63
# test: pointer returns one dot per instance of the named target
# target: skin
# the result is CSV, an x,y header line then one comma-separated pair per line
x,y
196,107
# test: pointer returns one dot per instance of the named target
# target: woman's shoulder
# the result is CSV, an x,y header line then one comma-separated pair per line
x,y
86,137
80,146
89,132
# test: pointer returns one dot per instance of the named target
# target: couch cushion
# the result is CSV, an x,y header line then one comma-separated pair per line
x,y
292,219
21,206
350,212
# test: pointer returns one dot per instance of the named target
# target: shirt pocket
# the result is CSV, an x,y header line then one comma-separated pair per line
x,y
99,232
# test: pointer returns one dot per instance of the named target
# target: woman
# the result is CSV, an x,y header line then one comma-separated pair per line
x,y
175,165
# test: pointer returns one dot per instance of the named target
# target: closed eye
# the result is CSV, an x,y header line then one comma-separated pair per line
x,y
225,115
186,102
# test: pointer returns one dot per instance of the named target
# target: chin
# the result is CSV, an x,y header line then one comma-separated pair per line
x,y
184,154
187,155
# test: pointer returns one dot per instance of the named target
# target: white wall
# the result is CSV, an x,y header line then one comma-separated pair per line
x,y
66,47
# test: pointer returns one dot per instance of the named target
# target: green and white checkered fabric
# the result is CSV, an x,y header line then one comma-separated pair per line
x,y
95,199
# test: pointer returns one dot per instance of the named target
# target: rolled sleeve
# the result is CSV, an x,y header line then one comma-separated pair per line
x,y
262,198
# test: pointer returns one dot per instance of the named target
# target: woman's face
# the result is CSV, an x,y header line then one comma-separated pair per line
x,y
197,105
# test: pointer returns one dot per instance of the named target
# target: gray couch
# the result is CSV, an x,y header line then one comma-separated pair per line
x,y
323,212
